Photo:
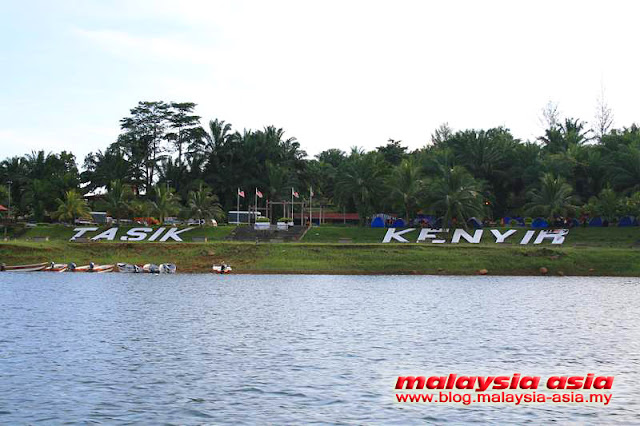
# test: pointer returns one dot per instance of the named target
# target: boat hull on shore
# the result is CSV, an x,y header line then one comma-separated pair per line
x,y
24,268
56,267
93,268
163,268
218,269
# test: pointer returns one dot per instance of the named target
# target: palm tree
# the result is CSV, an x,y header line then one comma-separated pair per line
x,y
405,185
165,202
204,204
220,132
4,194
118,199
455,194
606,204
36,197
554,197
72,207
361,180
625,168
141,208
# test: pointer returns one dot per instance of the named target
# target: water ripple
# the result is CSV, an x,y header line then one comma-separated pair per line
x,y
194,349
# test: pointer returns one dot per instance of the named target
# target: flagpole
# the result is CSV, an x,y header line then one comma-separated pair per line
x,y
238,207
292,206
311,207
256,207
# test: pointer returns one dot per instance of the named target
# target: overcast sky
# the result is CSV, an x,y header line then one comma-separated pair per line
x,y
330,73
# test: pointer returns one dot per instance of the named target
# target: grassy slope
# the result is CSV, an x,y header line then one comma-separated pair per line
x,y
592,237
596,237
599,251
64,233
334,258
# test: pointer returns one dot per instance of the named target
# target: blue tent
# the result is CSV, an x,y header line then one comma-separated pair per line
x,y
539,222
377,223
596,221
475,223
627,221
506,220
520,220
575,222
399,223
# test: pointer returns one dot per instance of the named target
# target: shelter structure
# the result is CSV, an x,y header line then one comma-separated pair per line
x,y
377,222
596,221
539,223
627,221
475,223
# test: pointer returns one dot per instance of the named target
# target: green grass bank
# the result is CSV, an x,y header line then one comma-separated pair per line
x,y
591,251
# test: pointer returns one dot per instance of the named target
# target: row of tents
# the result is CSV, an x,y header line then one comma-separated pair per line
x,y
384,221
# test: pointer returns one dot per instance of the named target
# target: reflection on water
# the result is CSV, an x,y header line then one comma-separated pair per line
x,y
291,349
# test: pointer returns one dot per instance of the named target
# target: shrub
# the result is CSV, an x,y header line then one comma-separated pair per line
x,y
285,219
262,220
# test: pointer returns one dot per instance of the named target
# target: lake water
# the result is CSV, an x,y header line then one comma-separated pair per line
x,y
193,349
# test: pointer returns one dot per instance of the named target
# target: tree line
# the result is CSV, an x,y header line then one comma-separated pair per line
x,y
164,162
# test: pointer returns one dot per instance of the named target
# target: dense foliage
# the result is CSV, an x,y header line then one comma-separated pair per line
x,y
165,163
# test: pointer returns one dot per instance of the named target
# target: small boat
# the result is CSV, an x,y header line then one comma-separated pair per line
x,y
129,268
222,269
168,268
24,268
163,268
151,268
103,268
91,268
56,267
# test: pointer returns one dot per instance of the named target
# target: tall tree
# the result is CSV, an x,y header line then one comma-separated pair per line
x,y
186,129
204,204
624,168
553,198
361,181
146,127
164,202
405,187
118,200
393,152
441,135
604,116
71,207
455,194
115,163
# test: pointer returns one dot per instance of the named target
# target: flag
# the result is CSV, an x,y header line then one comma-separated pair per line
x,y
258,193
240,193
311,191
295,194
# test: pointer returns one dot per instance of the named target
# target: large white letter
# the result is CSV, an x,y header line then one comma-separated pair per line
x,y
173,234
557,236
156,234
464,234
392,234
527,237
81,231
431,234
109,234
501,237
136,234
